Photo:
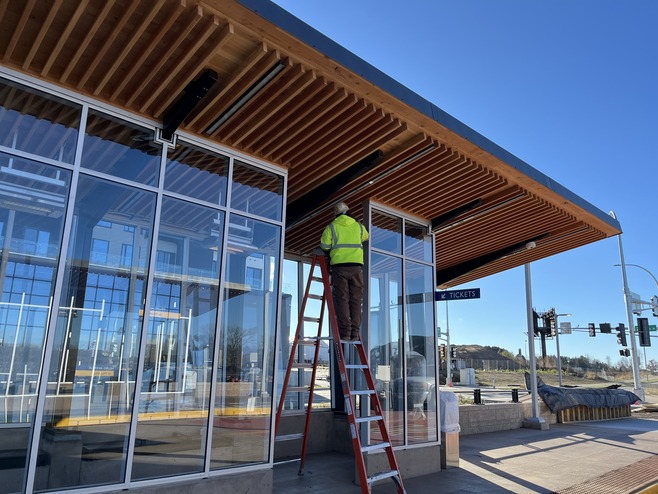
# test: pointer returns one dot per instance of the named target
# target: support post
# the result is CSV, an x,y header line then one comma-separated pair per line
x,y
534,422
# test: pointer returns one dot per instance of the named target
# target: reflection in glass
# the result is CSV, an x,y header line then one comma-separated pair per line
x,y
417,242
257,191
246,344
38,124
386,233
120,149
197,173
175,389
421,353
32,205
386,348
91,379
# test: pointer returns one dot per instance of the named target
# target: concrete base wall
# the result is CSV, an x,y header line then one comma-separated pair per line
x,y
253,481
492,417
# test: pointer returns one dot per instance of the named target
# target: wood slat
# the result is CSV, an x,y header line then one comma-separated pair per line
x,y
165,54
136,35
45,27
172,73
202,63
146,52
19,29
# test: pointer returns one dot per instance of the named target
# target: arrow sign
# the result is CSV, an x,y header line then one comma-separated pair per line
x,y
445,295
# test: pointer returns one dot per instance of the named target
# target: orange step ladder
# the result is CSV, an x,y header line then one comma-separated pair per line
x,y
349,394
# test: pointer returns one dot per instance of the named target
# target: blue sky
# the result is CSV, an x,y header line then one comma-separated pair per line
x,y
568,86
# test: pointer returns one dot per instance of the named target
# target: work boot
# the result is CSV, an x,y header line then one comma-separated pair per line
x,y
354,336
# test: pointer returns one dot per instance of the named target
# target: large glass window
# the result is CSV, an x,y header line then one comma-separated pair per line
x,y
386,343
118,148
256,191
32,206
421,353
175,389
92,374
402,335
197,173
35,123
193,348
246,345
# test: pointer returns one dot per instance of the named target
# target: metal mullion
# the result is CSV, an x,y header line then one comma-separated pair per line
x,y
277,322
145,324
30,470
218,322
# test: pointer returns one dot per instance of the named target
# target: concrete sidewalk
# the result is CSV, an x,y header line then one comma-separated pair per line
x,y
616,456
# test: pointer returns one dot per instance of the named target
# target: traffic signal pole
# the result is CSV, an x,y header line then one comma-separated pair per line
x,y
635,358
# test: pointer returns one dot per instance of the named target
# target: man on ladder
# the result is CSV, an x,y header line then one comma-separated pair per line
x,y
342,240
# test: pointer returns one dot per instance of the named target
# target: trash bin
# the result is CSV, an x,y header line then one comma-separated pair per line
x,y
449,409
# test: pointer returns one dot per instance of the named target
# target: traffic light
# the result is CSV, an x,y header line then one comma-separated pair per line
x,y
442,352
591,327
621,335
625,352
535,323
643,331
654,305
549,324
453,352
604,327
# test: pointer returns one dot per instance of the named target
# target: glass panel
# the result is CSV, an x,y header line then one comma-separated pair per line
x,y
245,368
91,379
256,191
36,123
386,233
32,206
197,173
421,353
386,343
417,242
121,149
175,390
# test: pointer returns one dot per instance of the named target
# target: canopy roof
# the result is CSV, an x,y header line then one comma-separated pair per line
x,y
287,94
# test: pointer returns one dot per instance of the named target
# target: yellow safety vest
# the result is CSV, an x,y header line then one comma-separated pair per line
x,y
344,238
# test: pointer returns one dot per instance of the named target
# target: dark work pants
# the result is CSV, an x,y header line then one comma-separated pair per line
x,y
347,284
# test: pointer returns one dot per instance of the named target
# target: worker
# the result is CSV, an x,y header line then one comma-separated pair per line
x,y
342,240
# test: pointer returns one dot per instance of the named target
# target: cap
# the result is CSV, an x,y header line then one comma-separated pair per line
x,y
340,208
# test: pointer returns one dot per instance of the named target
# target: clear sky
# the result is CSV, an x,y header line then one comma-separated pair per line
x,y
568,86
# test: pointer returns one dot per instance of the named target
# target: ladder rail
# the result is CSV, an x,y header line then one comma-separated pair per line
x,y
307,421
327,304
291,359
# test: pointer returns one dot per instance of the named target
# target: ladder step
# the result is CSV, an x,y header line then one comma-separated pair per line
x,y
362,392
302,366
289,437
317,278
383,475
356,366
371,418
315,297
307,341
375,447
311,319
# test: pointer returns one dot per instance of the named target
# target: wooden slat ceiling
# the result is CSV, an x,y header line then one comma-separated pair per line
x,y
315,118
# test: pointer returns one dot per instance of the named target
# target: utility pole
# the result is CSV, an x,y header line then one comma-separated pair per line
x,y
637,383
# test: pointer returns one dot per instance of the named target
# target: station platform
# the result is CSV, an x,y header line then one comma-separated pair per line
x,y
608,457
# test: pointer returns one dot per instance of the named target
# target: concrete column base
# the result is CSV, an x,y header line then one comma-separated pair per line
x,y
535,423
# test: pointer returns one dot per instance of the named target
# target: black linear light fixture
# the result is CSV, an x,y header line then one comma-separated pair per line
x,y
192,94
244,99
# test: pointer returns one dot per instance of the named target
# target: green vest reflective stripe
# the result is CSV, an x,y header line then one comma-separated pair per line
x,y
343,238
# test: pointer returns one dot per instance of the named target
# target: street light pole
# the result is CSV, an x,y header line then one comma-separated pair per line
x,y
629,315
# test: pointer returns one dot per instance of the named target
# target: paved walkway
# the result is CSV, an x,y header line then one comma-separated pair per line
x,y
616,456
